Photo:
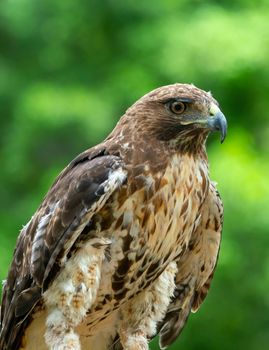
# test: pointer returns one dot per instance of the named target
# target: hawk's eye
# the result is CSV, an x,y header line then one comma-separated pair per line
x,y
177,107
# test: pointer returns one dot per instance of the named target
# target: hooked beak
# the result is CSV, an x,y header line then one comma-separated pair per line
x,y
218,122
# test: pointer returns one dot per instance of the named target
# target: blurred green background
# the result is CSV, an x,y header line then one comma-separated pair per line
x,y
68,71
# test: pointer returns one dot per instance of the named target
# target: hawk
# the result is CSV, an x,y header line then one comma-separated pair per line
x,y
125,243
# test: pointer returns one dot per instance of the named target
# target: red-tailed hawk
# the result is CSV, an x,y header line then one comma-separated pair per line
x,y
125,243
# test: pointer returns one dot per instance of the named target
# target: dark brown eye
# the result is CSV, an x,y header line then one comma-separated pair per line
x,y
177,107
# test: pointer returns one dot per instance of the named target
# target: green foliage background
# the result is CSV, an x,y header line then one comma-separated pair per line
x,y
68,71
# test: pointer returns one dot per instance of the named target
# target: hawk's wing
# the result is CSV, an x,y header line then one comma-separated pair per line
x,y
201,257
42,247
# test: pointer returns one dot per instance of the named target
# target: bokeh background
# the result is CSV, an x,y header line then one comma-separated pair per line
x,y
68,71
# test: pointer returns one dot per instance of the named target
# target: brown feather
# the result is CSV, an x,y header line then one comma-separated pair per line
x,y
189,296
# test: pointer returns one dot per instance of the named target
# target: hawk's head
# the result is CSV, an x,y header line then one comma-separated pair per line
x,y
180,114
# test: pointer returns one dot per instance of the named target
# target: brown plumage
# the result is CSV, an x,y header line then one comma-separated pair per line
x,y
125,243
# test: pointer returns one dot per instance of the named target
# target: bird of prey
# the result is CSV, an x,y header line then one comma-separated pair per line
x,y
125,243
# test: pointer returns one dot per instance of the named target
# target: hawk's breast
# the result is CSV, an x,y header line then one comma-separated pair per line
x,y
150,223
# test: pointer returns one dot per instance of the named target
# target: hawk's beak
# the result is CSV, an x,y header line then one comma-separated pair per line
x,y
217,121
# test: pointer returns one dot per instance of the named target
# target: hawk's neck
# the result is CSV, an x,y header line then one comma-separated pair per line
x,y
156,155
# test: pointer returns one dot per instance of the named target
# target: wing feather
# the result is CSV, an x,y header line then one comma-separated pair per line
x,y
214,226
43,245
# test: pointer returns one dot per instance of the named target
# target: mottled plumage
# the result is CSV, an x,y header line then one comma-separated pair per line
x,y
125,243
